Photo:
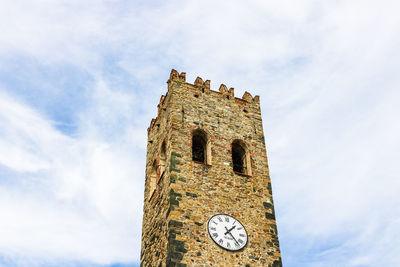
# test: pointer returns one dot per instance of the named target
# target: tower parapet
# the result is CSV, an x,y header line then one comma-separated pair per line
x,y
204,87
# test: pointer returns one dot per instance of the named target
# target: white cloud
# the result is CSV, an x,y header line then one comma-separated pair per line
x,y
20,143
71,198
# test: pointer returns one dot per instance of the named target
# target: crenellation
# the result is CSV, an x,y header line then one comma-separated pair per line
x,y
151,125
231,92
247,96
207,85
182,77
174,76
198,82
162,100
223,89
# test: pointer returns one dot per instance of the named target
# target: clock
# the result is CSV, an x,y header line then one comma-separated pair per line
x,y
227,232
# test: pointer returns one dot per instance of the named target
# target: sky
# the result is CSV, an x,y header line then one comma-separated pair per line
x,y
80,82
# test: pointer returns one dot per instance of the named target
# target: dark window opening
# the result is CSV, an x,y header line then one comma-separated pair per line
x,y
163,151
163,158
238,158
198,148
153,179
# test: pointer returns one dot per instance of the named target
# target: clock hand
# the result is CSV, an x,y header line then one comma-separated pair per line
x,y
228,231
234,238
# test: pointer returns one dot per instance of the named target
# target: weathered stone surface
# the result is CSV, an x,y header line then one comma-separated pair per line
x,y
188,193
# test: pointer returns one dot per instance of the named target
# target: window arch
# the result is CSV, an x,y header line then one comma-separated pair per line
x,y
201,148
241,157
153,179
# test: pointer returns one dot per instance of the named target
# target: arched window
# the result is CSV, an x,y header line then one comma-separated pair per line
x,y
153,179
163,158
240,157
201,149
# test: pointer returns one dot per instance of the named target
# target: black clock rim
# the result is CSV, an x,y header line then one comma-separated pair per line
x,y
233,250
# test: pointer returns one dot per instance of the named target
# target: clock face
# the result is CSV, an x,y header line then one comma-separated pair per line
x,y
227,232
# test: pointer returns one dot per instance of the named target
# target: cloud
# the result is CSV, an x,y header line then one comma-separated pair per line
x,y
66,198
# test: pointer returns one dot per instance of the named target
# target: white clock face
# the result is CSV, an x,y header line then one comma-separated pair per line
x,y
227,232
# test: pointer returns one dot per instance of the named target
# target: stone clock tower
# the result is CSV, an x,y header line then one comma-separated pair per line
x,y
208,198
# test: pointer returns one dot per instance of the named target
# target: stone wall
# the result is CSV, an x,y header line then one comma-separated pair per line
x,y
189,192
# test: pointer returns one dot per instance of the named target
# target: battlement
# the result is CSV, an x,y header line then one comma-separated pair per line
x,y
204,87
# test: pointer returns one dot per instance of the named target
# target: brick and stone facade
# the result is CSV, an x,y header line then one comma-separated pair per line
x,y
182,194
